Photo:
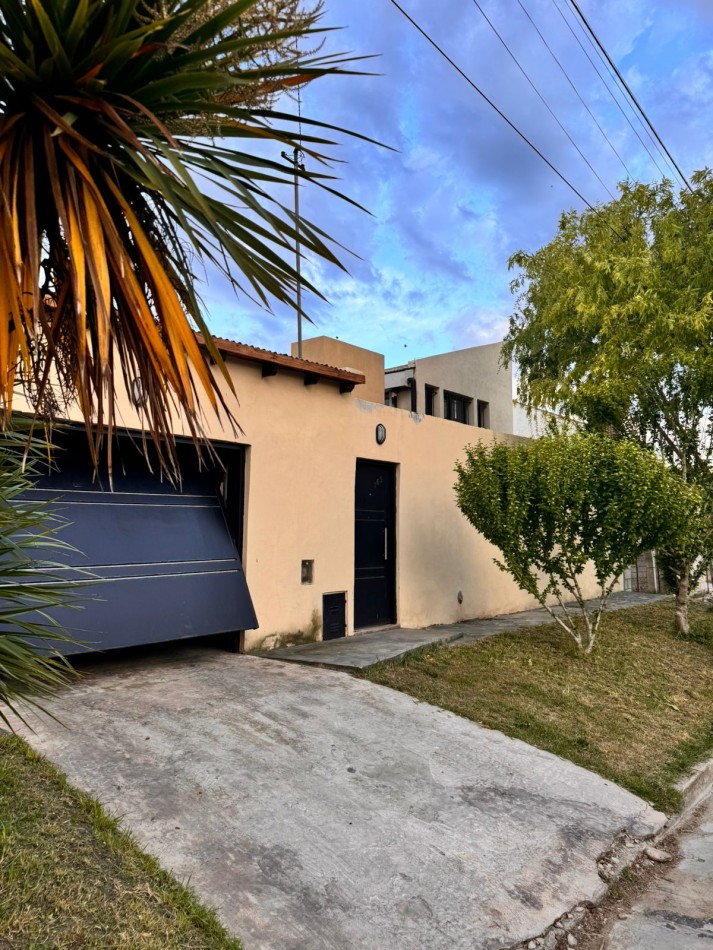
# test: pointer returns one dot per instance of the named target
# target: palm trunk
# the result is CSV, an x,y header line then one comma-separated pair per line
x,y
682,594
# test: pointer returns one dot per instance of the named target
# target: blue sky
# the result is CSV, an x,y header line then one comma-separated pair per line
x,y
462,192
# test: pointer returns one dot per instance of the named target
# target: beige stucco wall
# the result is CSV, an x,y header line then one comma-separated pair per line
x,y
302,445
474,372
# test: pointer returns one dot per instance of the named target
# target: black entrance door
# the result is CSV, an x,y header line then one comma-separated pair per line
x,y
374,545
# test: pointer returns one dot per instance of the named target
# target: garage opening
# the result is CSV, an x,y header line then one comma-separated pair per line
x,y
153,561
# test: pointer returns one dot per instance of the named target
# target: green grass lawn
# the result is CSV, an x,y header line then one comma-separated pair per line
x,y
639,710
71,879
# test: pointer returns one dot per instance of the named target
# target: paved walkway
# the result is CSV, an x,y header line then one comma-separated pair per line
x,y
676,913
366,649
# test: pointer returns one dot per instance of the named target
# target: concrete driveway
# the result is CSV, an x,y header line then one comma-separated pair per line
x,y
314,810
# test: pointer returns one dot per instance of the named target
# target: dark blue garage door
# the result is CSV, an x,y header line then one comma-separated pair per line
x,y
153,562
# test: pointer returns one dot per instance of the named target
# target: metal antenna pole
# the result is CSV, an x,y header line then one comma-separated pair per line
x,y
298,256
298,167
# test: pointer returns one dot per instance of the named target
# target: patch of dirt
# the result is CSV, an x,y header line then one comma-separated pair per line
x,y
590,925
592,931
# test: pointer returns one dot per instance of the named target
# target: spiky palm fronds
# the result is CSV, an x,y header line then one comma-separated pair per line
x,y
104,205
31,666
278,27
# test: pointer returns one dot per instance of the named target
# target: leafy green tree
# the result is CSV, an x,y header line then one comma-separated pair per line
x,y
614,327
560,505
126,160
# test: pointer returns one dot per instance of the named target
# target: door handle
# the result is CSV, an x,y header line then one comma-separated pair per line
x,y
386,544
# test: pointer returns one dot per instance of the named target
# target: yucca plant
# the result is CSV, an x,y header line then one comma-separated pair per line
x,y
279,26
125,159
31,588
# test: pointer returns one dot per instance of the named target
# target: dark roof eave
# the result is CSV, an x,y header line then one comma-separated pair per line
x,y
266,358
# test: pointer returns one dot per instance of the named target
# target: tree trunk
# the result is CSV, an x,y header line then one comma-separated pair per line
x,y
682,592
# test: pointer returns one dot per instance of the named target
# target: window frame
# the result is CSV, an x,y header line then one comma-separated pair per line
x,y
431,396
450,400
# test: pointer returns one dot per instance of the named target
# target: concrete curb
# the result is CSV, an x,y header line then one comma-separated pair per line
x,y
697,785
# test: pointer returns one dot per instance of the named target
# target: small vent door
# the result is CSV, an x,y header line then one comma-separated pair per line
x,y
334,616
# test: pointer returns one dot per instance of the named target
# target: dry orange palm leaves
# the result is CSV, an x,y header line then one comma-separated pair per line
x,y
105,204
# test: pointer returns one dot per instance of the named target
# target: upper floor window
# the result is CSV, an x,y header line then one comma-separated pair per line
x,y
456,408
483,410
431,394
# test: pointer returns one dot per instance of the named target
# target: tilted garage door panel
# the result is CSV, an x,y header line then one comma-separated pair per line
x,y
125,529
128,611
152,562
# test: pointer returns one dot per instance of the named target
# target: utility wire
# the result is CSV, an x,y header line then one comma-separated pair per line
x,y
576,91
612,94
617,90
624,83
543,100
492,105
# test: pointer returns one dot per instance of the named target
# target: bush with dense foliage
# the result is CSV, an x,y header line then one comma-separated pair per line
x,y
559,506
613,327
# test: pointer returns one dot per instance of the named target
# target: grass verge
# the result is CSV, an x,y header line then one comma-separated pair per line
x,y
70,878
639,710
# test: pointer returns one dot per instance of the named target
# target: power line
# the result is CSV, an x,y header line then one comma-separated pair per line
x,y
576,91
611,93
617,90
492,104
629,91
542,98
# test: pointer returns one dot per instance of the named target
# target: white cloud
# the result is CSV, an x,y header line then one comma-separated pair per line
x,y
464,192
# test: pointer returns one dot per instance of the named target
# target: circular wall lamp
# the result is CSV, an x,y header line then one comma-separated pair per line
x,y
380,434
138,392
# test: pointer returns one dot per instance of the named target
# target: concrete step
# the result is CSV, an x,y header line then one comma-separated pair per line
x,y
362,650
